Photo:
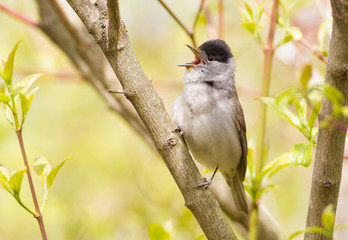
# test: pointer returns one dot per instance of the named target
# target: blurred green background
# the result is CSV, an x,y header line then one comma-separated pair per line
x,y
116,186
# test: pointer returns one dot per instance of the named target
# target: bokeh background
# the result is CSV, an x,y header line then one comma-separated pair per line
x,y
115,186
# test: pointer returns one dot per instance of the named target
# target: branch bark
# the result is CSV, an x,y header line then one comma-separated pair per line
x,y
331,140
140,92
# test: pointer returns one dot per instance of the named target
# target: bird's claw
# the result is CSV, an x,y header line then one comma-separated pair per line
x,y
205,184
177,129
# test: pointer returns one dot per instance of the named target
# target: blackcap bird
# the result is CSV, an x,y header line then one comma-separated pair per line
x,y
211,118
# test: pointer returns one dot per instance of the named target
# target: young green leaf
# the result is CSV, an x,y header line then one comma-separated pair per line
x,y
314,115
2,86
295,32
282,111
250,26
7,113
323,31
250,10
25,105
301,154
9,64
53,173
157,232
4,98
264,190
286,38
202,237
308,230
16,181
24,85
328,218
306,75
42,168
274,166
2,66
4,179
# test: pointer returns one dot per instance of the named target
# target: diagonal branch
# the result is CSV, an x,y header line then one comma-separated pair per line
x,y
140,92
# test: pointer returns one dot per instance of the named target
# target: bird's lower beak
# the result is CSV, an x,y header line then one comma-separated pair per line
x,y
198,58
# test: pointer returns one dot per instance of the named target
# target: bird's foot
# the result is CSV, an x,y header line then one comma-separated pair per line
x,y
205,184
177,129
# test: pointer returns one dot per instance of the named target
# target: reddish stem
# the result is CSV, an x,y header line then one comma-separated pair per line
x,y
14,13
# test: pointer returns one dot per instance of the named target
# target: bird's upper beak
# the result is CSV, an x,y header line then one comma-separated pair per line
x,y
198,58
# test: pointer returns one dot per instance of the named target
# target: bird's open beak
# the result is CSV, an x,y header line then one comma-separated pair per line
x,y
198,59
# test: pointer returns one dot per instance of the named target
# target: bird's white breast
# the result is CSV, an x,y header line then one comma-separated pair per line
x,y
205,116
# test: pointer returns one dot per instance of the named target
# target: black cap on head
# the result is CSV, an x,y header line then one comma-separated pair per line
x,y
218,49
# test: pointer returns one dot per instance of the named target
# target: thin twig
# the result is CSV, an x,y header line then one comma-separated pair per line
x,y
201,5
16,14
177,20
268,56
39,216
189,32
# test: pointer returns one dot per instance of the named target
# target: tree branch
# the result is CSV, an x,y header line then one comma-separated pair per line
x,y
113,24
18,15
170,145
327,170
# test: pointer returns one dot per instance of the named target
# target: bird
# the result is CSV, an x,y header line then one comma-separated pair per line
x,y
210,116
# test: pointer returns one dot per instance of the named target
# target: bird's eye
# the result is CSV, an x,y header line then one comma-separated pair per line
x,y
211,58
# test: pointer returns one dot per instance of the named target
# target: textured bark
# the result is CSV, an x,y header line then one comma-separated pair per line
x,y
331,140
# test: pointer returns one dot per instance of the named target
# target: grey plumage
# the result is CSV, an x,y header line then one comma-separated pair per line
x,y
211,117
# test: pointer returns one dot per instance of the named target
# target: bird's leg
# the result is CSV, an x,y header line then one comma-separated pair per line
x,y
206,183
177,129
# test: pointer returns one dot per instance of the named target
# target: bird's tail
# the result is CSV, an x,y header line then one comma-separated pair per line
x,y
238,192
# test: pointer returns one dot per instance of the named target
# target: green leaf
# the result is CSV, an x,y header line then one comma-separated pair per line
x,y
9,64
301,154
306,75
157,232
7,113
4,98
260,11
295,32
245,15
328,218
200,237
250,10
4,179
2,66
301,109
274,166
25,105
250,26
323,31
53,173
42,168
308,230
16,181
282,111
2,86
286,38
333,94
314,115
24,85
264,190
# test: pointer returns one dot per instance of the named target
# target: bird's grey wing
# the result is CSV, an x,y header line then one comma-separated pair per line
x,y
239,122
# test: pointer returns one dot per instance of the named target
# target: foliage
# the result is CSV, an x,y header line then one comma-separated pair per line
x,y
15,101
